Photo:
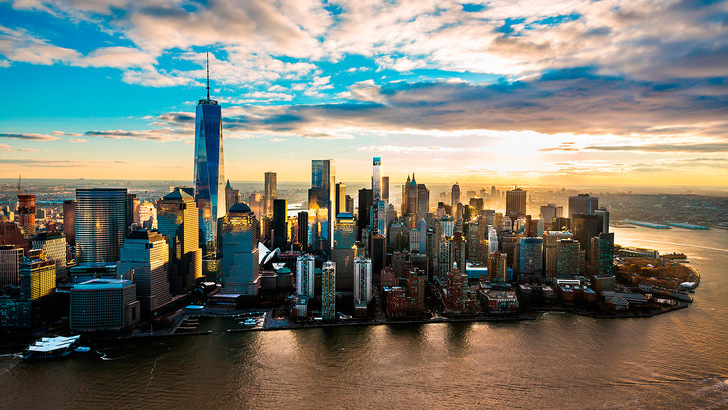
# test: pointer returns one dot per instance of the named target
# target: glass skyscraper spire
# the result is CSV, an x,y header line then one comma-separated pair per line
x,y
209,169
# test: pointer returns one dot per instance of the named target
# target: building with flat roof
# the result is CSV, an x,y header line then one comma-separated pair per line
x,y
53,245
145,261
10,258
104,304
101,224
328,291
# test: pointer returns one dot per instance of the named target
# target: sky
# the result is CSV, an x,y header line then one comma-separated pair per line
x,y
543,92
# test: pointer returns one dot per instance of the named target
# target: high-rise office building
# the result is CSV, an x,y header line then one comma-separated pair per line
x,y
303,230
280,224
603,216
10,258
256,202
549,212
69,221
585,227
104,304
145,261
423,201
340,198
567,257
178,221
530,256
100,224
133,207
37,277
497,267
344,231
270,193
343,252
455,196
232,196
602,262
240,263
305,268
321,203
53,245
209,171
582,204
385,188
328,291
550,238
366,201
516,201
378,252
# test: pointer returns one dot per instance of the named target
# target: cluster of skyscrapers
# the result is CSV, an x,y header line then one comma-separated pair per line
x,y
132,261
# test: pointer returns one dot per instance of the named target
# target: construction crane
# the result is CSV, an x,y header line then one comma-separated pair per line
x,y
19,184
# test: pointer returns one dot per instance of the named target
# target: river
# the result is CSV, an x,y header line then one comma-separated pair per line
x,y
679,359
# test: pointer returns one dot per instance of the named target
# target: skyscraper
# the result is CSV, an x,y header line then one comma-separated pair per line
x,y
328,291
385,189
549,212
567,257
582,204
340,198
305,268
603,254
10,258
100,224
516,201
178,221
209,170
530,256
603,215
145,261
585,227
280,224
26,213
321,203
343,251
271,193
362,282
240,263
423,201
232,196
550,239
53,245
366,201
303,230
69,221
455,196
377,178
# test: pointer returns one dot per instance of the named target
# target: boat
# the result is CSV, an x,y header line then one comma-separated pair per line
x,y
674,255
51,348
249,322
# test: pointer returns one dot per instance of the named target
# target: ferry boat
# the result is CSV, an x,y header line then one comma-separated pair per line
x,y
249,322
674,255
51,348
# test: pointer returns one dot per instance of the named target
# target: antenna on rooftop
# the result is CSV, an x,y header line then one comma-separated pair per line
x,y
208,75
19,184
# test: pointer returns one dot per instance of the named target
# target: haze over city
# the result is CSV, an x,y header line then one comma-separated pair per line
x,y
565,93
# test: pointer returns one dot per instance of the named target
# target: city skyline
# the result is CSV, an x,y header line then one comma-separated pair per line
x,y
580,93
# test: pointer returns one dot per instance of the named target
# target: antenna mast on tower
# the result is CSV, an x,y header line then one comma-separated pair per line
x,y
208,75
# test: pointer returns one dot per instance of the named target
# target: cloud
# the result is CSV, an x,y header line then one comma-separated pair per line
x,y
25,136
159,134
705,147
77,140
53,163
28,149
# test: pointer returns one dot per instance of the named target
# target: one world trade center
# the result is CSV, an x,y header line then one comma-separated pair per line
x,y
209,170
